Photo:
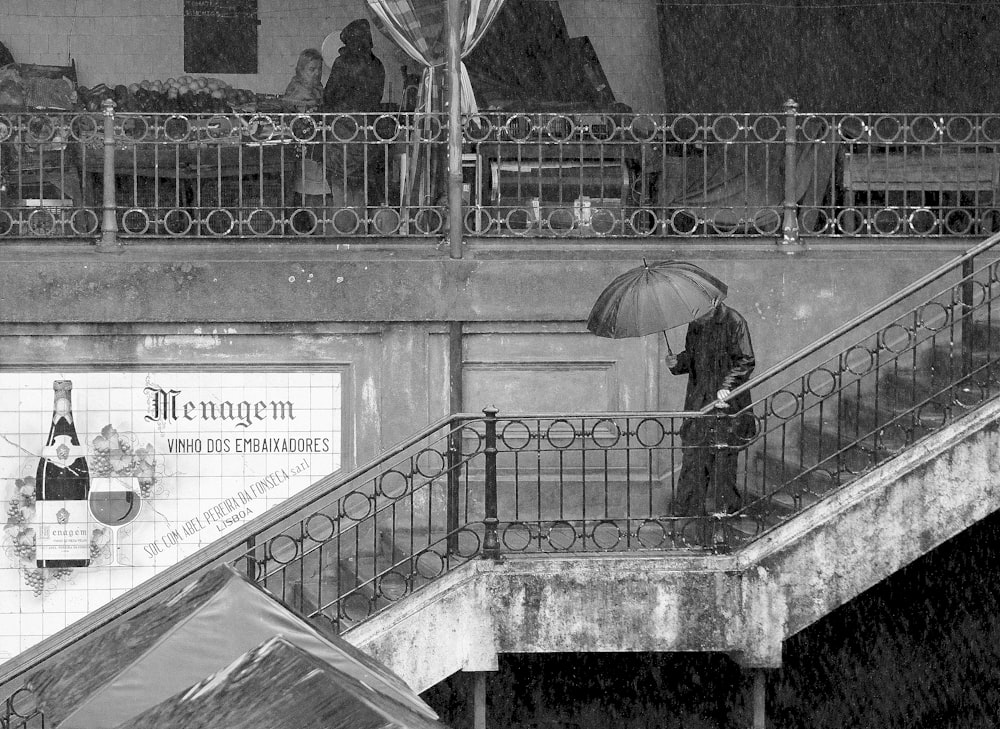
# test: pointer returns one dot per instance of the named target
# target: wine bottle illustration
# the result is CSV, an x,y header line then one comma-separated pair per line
x,y
62,488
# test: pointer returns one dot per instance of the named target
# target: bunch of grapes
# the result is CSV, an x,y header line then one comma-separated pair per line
x,y
102,459
24,545
36,581
61,572
14,514
97,550
146,487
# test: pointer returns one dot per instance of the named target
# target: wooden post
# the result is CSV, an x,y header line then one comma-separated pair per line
x,y
759,699
790,226
108,242
455,223
479,700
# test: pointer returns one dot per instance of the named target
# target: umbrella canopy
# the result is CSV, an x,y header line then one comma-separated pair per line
x,y
279,685
653,298
180,637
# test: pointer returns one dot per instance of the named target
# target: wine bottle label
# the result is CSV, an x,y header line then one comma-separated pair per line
x,y
62,452
63,530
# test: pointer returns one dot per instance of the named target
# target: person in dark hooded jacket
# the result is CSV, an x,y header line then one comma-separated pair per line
x,y
355,84
717,358
357,77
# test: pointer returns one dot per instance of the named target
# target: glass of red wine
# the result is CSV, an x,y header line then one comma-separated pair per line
x,y
114,503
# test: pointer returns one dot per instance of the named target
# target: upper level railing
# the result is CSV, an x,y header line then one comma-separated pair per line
x,y
260,175
490,485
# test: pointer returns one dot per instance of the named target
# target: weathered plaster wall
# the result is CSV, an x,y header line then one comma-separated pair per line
x,y
384,313
744,604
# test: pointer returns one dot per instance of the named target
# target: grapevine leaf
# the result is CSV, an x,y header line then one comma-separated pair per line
x,y
107,430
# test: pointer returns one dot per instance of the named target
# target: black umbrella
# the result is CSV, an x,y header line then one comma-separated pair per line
x,y
654,297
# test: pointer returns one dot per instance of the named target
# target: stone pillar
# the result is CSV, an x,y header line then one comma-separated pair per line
x,y
759,699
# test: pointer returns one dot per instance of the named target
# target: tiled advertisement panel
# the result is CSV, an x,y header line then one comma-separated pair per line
x,y
203,451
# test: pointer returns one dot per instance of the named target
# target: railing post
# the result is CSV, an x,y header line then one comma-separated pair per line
x,y
109,222
252,559
491,540
790,226
455,222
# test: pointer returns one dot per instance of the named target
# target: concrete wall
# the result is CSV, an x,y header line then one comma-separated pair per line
x,y
126,41
525,347
525,317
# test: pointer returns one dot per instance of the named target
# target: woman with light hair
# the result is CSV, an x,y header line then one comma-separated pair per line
x,y
305,90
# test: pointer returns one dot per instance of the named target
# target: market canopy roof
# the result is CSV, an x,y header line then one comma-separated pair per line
x,y
280,686
176,640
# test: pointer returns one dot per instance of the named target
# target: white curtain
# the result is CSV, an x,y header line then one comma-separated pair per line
x,y
420,28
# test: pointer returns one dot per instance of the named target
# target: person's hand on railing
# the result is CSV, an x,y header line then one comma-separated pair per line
x,y
720,396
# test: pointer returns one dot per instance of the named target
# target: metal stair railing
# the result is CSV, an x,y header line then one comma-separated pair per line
x,y
873,387
471,486
260,544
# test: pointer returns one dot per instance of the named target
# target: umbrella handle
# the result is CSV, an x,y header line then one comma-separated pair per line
x,y
669,350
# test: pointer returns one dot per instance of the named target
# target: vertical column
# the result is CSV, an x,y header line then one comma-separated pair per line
x,y
479,700
109,223
790,226
759,699
455,222
455,433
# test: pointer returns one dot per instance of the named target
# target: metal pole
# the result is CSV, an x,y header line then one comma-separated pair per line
x,y
455,222
790,228
491,539
109,223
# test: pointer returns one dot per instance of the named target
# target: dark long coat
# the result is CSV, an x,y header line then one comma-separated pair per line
x,y
718,355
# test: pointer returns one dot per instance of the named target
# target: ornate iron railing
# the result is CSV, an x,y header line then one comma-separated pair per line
x,y
612,481
867,391
261,175
474,486
486,486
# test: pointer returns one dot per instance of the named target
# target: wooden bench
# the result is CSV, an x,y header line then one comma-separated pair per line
x,y
922,170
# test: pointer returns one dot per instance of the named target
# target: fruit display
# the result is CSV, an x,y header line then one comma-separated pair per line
x,y
183,94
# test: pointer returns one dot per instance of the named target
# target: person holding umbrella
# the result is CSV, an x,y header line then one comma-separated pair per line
x,y
717,358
